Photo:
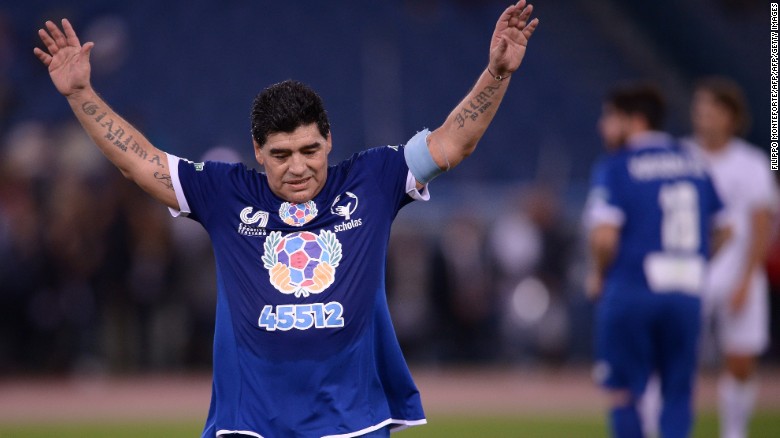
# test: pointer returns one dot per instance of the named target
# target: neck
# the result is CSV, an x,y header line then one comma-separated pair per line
x,y
713,142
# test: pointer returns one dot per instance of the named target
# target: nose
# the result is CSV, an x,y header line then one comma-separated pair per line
x,y
297,164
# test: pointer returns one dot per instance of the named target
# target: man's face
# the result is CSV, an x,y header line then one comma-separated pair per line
x,y
710,117
296,163
614,127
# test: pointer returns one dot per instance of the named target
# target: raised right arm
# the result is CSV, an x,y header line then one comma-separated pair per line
x,y
128,149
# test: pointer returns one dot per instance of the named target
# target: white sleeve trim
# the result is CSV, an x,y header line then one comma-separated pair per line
x,y
184,207
411,189
601,213
238,432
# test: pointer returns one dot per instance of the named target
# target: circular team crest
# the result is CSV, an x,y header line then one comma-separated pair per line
x,y
298,214
302,263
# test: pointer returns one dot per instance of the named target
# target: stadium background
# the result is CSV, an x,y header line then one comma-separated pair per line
x,y
100,287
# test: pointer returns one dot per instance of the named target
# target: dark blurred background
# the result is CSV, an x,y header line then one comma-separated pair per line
x,y
97,278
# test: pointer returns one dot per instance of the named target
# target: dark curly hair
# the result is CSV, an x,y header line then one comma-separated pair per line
x,y
285,106
641,98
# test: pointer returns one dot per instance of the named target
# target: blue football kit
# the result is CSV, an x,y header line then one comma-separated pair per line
x,y
304,345
648,317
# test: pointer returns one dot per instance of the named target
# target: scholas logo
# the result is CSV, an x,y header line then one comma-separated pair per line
x,y
345,206
301,263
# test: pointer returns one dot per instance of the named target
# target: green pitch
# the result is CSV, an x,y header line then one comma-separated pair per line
x,y
765,425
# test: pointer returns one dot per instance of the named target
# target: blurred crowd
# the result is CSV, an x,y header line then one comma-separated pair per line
x,y
96,277
92,274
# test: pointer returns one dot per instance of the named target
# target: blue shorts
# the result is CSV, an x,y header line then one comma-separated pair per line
x,y
640,332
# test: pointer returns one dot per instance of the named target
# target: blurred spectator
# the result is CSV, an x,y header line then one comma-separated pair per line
x,y
409,285
532,247
464,291
22,269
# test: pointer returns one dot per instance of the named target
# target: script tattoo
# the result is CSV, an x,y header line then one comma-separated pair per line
x,y
156,159
115,133
476,106
165,179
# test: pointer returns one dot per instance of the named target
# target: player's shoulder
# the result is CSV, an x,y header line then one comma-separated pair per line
x,y
381,152
608,166
228,174
372,157
748,154
613,158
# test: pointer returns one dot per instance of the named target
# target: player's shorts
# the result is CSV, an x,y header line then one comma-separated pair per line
x,y
746,332
643,332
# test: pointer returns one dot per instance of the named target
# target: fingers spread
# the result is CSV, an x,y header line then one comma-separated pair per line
x,y
520,18
48,41
70,34
529,30
55,33
526,12
509,14
43,56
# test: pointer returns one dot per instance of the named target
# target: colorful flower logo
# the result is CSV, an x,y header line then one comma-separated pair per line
x,y
302,263
298,214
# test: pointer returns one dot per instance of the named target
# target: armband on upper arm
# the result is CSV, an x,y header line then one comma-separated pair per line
x,y
418,158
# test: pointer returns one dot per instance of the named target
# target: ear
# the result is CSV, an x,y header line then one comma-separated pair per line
x,y
328,143
258,152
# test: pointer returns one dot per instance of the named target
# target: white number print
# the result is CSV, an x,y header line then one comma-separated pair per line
x,y
301,316
680,223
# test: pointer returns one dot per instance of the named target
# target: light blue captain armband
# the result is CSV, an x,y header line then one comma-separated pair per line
x,y
418,158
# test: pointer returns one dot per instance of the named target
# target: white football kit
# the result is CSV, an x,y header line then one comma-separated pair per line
x,y
743,179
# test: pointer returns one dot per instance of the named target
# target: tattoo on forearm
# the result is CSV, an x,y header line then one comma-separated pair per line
x,y
116,135
156,159
476,106
165,179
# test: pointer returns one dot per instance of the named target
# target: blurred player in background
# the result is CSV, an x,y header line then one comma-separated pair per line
x,y
649,215
736,293
303,340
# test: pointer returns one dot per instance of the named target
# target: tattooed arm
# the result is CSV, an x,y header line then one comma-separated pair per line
x,y
69,68
458,136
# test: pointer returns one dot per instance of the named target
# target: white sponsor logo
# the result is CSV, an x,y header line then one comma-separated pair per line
x,y
252,224
261,216
345,207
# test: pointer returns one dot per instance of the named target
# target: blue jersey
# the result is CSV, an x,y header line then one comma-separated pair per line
x,y
304,345
649,315
664,202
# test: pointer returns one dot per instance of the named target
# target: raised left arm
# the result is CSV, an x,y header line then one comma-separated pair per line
x,y
457,137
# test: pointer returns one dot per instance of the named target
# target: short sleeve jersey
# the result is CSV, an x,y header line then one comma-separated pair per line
x,y
304,345
742,176
664,203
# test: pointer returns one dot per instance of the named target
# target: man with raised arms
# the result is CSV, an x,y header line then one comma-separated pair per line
x,y
303,344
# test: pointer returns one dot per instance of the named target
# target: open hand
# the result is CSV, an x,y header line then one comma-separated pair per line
x,y
510,38
66,58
